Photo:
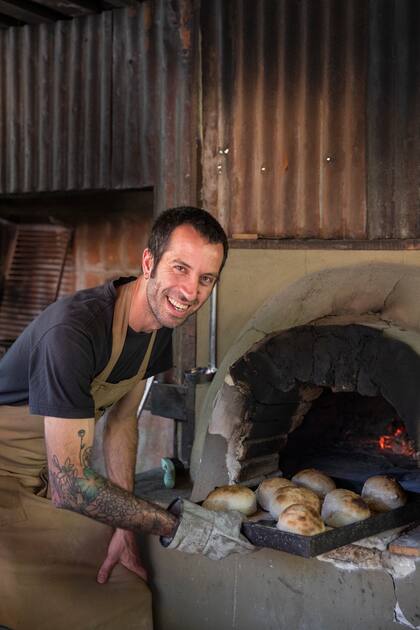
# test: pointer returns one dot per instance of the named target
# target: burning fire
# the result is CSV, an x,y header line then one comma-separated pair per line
x,y
397,440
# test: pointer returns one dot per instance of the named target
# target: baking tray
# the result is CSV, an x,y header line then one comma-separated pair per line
x,y
265,533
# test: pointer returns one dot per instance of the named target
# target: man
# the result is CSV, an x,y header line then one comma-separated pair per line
x,y
81,356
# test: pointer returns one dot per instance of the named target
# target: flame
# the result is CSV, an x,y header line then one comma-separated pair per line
x,y
397,440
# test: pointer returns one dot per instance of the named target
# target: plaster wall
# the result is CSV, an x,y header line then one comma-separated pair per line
x,y
272,590
251,277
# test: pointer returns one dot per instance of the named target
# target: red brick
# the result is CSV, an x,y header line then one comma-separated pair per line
x,y
137,233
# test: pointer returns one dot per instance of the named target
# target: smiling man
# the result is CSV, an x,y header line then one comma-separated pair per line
x,y
82,356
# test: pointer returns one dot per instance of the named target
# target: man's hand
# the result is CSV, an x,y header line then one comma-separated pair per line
x,y
122,549
213,534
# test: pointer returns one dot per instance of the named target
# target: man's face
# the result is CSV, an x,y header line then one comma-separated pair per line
x,y
184,277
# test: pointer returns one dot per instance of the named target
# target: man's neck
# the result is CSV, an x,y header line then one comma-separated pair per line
x,y
141,318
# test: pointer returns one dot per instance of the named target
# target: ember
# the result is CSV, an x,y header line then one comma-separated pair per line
x,y
397,440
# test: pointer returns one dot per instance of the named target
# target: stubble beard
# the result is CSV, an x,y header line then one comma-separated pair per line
x,y
152,293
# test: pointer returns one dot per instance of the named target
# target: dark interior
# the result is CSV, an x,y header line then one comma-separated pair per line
x,y
350,436
331,397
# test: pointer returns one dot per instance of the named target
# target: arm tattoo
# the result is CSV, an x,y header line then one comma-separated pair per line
x,y
94,496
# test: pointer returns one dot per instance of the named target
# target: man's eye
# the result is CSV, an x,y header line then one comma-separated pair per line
x,y
179,268
207,280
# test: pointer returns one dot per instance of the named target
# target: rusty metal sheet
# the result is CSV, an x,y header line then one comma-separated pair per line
x,y
281,155
284,116
134,114
394,119
175,94
55,106
104,101
155,100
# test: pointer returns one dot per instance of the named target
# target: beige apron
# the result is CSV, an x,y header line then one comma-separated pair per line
x,y
49,558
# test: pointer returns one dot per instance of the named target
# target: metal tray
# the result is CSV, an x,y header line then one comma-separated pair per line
x,y
265,533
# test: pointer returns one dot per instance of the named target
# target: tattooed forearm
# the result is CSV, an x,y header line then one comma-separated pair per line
x,y
75,486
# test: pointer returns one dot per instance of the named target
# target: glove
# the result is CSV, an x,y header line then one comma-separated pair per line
x,y
213,534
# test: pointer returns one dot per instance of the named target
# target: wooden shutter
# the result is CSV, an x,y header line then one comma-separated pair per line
x,y
32,276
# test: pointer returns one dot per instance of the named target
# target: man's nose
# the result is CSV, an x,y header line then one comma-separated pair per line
x,y
190,288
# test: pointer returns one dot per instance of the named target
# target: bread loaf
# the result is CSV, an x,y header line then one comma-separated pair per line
x,y
314,480
383,493
268,488
292,495
228,498
300,519
343,507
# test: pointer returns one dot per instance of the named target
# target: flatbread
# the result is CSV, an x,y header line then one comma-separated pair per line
x,y
383,493
228,498
314,480
268,488
292,495
343,507
300,519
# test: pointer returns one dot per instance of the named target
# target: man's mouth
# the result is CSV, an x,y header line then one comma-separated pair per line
x,y
178,306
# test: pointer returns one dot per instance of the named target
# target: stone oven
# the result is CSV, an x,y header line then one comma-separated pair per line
x,y
331,382
323,374
338,396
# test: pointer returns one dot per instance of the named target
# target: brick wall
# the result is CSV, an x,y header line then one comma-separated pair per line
x,y
109,248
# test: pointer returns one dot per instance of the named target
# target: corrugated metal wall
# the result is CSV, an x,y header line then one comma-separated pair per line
x,y
286,122
155,96
394,119
134,72
100,102
55,106
306,111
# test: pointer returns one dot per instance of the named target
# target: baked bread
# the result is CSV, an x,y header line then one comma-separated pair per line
x,y
343,507
300,519
314,480
268,488
292,495
383,493
228,498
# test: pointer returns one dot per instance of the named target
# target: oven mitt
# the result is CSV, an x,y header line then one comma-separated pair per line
x,y
213,534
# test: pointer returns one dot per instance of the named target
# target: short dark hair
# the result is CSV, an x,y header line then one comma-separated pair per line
x,y
199,219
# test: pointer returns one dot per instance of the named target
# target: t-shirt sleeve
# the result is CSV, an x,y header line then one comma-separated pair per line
x,y
61,369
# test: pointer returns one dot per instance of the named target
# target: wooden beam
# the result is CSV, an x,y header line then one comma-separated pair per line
x,y
120,4
29,12
74,8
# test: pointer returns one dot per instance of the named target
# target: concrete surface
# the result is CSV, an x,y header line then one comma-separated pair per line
x,y
272,590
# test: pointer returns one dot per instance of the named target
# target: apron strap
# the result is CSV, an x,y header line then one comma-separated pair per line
x,y
146,358
103,392
119,328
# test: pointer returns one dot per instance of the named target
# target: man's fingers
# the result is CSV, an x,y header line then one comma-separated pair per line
x,y
105,570
108,565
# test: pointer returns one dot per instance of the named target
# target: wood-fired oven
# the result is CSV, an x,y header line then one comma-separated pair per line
x,y
338,393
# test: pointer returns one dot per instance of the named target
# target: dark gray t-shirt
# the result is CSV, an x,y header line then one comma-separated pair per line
x,y
53,362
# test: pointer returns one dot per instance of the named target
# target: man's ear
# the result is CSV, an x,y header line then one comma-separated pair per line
x,y
147,263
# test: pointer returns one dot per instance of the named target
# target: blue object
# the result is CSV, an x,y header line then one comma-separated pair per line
x,y
169,473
